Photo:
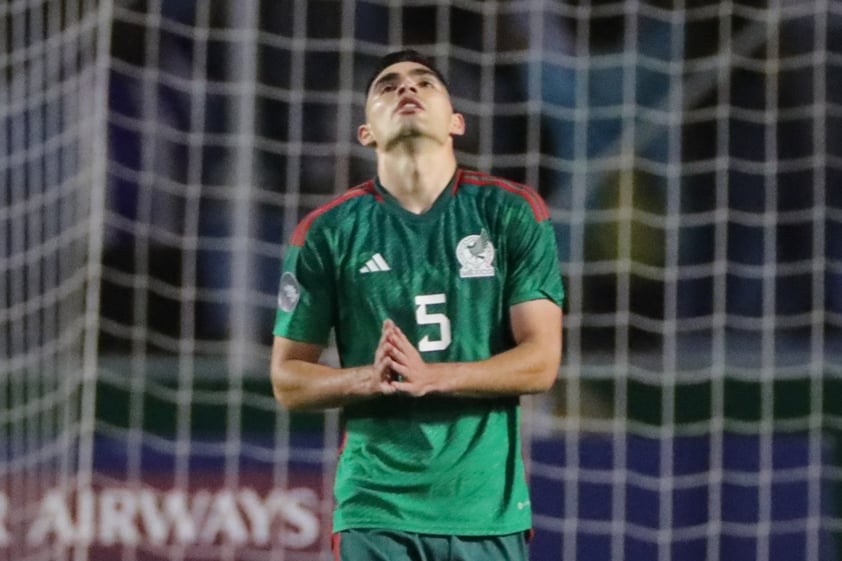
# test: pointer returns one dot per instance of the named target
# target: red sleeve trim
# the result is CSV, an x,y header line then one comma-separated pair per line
x,y
539,207
300,232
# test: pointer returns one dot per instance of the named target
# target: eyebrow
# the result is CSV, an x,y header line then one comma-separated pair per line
x,y
392,76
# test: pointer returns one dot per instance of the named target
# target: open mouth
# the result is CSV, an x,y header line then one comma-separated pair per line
x,y
408,105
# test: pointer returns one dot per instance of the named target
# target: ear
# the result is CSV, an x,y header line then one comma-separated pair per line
x,y
457,124
364,135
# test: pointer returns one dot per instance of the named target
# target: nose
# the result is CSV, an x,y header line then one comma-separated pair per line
x,y
407,84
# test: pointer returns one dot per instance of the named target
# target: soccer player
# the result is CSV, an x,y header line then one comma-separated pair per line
x,y
444,289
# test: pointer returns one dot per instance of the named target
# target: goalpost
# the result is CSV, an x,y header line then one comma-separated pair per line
x,y
691,156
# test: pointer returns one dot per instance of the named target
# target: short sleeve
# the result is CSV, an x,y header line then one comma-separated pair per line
x,y
534,271
306,292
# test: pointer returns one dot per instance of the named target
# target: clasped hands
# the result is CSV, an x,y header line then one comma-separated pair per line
x,y
398,365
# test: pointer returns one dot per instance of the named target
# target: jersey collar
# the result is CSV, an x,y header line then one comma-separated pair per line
x,y
393,206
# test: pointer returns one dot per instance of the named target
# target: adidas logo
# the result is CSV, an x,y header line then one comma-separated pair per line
x,y
375,264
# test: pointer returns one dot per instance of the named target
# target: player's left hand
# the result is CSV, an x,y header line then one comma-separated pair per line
x,y
417,378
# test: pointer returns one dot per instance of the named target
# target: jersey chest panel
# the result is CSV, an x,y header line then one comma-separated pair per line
x,y
429,276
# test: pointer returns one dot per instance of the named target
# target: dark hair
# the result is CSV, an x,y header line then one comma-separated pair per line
x,y
405,55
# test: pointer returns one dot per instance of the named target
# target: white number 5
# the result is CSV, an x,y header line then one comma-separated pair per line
x,y
424,318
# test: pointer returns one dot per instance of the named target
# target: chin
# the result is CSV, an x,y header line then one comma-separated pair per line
x,y
407,134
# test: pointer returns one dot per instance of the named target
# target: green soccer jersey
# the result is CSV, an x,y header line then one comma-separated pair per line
x,y
436,464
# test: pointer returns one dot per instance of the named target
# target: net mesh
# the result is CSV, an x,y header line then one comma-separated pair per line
x,y
52,88
690,153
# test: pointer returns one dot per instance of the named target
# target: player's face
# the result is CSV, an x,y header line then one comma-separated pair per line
x,y
407,101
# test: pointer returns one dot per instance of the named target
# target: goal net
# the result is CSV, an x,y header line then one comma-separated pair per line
x,y
691,156
53,69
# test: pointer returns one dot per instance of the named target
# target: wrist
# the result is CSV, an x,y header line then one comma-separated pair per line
x,y
443,377
363,382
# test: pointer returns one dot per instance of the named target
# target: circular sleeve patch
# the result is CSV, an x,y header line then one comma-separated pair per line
x,y
289,292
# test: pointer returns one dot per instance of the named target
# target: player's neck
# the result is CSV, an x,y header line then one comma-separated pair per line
x,y
416,178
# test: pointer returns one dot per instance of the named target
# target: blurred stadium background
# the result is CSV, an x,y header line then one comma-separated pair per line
x,y
156,155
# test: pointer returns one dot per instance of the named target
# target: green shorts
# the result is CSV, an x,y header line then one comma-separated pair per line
x,y
394,545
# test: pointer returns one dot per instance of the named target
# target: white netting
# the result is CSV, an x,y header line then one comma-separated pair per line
x,y
53,73
691,155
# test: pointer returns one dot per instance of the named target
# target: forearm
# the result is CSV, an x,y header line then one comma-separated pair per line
x,y
530,367
298,384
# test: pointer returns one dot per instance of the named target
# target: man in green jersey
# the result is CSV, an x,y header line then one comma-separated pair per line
x,y
444,290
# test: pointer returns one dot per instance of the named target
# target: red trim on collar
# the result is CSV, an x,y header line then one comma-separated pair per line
x,y
300,232
539,207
